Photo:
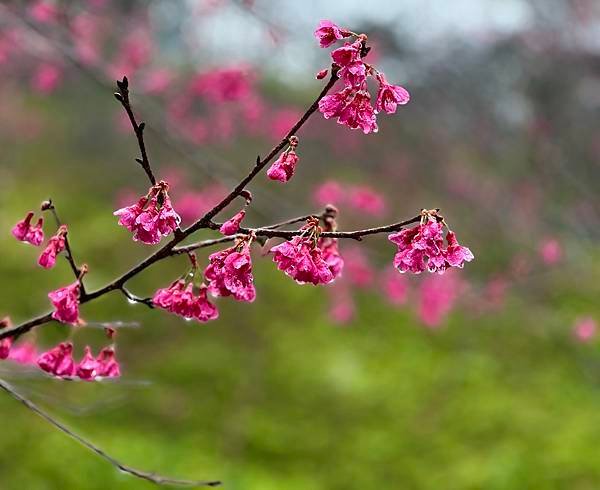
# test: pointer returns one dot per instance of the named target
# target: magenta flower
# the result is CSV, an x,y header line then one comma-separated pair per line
x,y
354,75
232,225
284,167
328,33
66,304
229,273
24,353
585,329
152,217
87,369
6,343
58,361
180,300
107,365
348,53
422,247
332,105
25,232
331,255
389,97
437,297
359,113
302,260
56,245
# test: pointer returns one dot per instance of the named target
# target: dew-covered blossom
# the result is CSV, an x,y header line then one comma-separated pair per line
x,y
232,225
56,245
301,258
25,232
229,273
284,167
422,248
585,329
107,365
152,217
180,299
66,304
352,105
328,33
87,368
551,251
389,97
6,343
58,361
437,296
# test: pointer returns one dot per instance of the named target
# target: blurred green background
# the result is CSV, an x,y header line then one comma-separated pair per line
x,y
501,133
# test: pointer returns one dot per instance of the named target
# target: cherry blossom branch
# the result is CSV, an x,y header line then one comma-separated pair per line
x,y
144,475
123,97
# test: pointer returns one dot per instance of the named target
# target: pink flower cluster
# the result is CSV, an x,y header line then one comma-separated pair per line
x,y
352,105
66,304
25,232
422,248
229,273
56,245
179,298
152,217
59,362
303,260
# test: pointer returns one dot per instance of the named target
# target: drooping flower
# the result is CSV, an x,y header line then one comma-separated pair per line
x,y
354,75
87,369
301,258
328,33
389,97
6,343
152,217
56,245
229,273
66,304
58,361
284,167
107,364
422,247
331,255
179,298
359,113
332,105
25,232
232,225
347,54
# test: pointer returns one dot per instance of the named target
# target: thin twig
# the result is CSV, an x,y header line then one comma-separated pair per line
x,y
123,97
144,475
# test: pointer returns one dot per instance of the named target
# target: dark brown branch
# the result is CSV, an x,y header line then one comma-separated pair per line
x,y
123,97
144,475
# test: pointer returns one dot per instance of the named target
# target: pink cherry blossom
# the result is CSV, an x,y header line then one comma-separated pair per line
x,y
179,298
107,365
55,246
44,11
354,75
152,217
232,225
331,255
229,273
35,235
456,255
66,304
437,296
395,287
24,353
390,96
87,368
332,105
328,33
284,167
58,361
367,200
329,192
585,329
302,260
223,85
348,53
551,251
21,229
359,270
6,343
359,113
342,308
46,78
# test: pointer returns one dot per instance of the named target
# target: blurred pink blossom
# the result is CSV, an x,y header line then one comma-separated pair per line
x,y
437,296
329,192
366,200
551,251
46,78
395,286
585,329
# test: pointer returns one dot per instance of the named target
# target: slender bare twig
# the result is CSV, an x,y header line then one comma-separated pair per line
x,y
144,475
138,128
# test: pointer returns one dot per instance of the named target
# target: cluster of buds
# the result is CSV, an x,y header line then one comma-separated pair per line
x,y
422,247
352,105
152,217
